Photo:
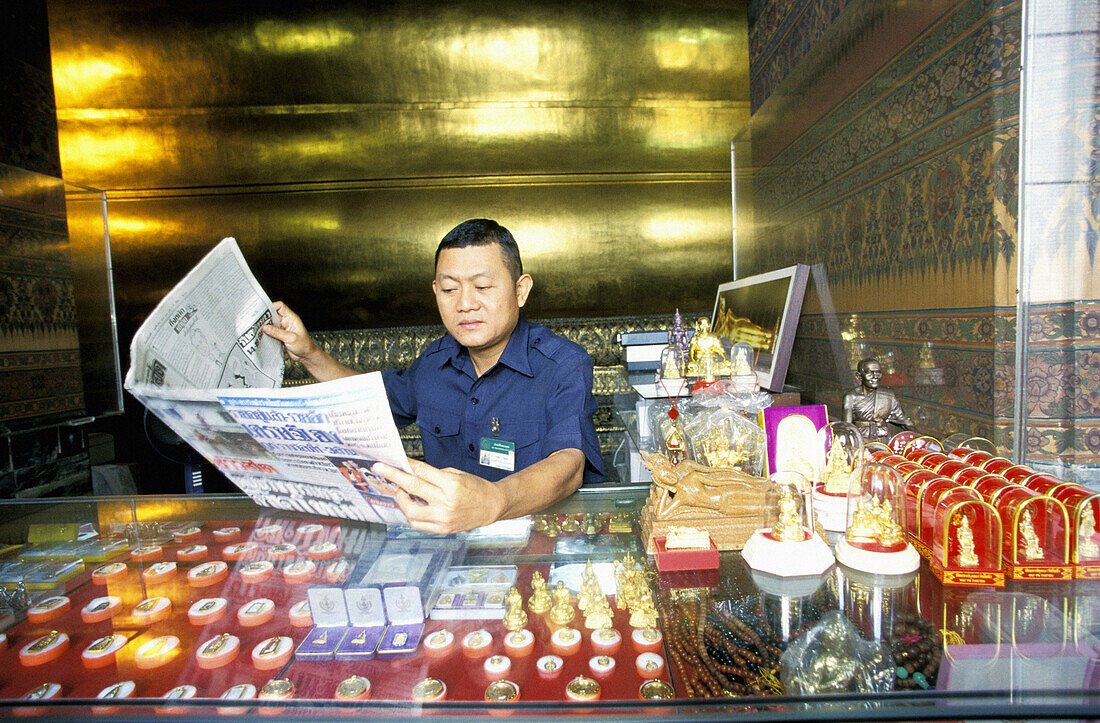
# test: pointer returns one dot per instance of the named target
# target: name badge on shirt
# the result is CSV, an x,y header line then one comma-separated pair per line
x,y
498,454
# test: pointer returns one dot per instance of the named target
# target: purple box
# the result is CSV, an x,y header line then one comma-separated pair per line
x,y
321,643
330,620
406,615
367,615
360,643
400,641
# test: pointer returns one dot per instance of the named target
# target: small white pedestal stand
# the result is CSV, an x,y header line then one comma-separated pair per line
x,y
789,588
743,383
831,511
880,563
787,559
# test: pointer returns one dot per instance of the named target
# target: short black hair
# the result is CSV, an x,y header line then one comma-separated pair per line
x,y
482,232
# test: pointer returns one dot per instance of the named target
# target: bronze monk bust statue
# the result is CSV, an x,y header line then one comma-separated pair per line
x,y
871,408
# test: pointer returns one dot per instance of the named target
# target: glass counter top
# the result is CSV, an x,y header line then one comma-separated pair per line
x,y
1029,650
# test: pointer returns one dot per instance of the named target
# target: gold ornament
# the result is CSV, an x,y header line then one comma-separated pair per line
x,y
514,617
965,537
788,528
562,612
540,600
1032,549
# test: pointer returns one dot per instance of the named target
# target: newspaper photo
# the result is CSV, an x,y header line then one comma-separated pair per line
x,y
201,364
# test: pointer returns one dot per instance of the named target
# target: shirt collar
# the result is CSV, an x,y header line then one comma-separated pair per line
x,y
514,354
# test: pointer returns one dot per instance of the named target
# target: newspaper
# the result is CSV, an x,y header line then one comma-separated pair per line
x,y
205,334
202,365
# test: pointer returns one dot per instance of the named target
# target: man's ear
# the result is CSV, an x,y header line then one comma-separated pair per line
x,y
523,288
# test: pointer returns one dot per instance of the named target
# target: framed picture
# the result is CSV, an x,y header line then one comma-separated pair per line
x,y
762,311
794,441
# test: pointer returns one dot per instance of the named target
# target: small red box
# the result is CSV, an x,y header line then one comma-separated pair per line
x,y
675,560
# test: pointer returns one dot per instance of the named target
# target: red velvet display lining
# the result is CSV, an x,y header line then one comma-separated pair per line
x,y
79,682
390,679
465,677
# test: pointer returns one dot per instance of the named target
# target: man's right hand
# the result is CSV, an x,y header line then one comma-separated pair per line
x,y
300,346
292,333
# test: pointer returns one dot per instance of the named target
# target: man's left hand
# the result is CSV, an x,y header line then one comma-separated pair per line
x,y
442,501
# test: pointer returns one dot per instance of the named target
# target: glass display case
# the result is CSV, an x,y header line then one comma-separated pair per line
x,y
130,606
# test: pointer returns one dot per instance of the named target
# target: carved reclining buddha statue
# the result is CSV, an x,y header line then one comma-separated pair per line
x,y
397,347
691,490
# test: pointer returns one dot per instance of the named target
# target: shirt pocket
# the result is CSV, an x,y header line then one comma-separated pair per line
x,y
525,433
438,423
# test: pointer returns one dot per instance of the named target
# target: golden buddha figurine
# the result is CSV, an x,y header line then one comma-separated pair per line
x,y
674,357
742,361
625,593
706,357
539,601
547,525
1087,549
625,566
788,527
1032,549
837,470
965,537
514,617
590,587
671,365
598,615
644,614
717,450
860,527
641,582
628,588
562,612
889,529
874,523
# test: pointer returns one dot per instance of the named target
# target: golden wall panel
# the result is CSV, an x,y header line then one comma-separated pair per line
x,y
362,257
190,54
338,144
147,150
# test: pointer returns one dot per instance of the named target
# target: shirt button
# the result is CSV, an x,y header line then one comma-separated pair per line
x,y
471,446
538,339
436,430
473,400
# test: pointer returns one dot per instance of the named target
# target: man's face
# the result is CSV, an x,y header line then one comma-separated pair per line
x,y
477,299
872,375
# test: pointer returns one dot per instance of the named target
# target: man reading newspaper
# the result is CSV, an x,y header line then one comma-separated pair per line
x,y
504,406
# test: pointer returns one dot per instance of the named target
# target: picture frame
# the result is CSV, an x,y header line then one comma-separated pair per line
x,y
814,417
763,311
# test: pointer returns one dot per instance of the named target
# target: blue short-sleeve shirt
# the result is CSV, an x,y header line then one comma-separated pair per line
x,y
540,393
